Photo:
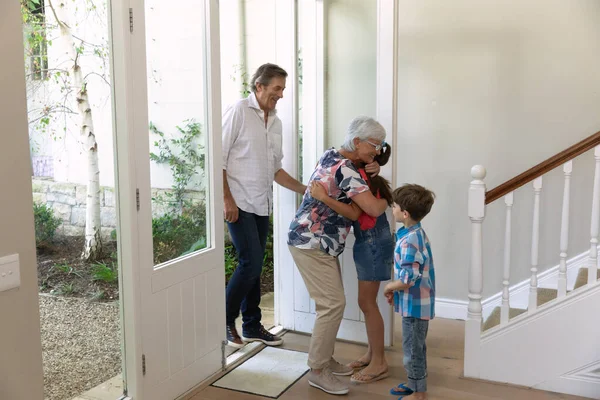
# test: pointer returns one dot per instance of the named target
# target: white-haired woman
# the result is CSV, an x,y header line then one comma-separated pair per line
x,y
317,237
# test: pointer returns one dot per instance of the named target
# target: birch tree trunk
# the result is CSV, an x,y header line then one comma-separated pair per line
x,y
93,243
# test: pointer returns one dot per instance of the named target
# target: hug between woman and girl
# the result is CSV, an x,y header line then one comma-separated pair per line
x,y
344,192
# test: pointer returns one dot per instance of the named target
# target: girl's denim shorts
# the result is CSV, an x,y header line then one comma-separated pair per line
x,y
374,254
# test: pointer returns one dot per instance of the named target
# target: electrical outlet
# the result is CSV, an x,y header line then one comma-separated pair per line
x,y
10,276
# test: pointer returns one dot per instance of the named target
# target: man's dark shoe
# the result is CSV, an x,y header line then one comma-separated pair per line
x,y
233,339
262,335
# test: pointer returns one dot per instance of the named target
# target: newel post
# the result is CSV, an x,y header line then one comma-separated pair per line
x,y
474,315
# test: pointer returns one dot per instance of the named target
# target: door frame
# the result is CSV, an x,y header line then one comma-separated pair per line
x,y
284,200
387,101
125,197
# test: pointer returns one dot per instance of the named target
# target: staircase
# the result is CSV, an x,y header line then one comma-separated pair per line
x,y
550,341
544,295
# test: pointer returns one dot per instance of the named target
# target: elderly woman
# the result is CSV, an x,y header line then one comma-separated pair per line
x,y
373,255
317,237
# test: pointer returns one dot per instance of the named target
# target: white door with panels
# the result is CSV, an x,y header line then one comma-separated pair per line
x,y
175,318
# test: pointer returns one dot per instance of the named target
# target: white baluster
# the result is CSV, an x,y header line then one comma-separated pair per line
x,y
535,241
593,263
473,324
564,231
504,315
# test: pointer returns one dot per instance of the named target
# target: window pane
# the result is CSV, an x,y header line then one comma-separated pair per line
x,y
177,127
351,65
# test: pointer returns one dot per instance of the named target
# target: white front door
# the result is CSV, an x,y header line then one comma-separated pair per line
x,y
179,302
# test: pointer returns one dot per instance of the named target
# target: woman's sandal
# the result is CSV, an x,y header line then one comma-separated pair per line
x,y
360,376
358,365
404,392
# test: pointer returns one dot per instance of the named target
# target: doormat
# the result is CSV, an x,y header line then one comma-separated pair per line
x,y
269,373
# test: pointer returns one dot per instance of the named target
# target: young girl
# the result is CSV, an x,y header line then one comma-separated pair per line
x,y
373,257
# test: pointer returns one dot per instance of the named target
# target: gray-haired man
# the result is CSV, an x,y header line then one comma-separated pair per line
x,y
252,154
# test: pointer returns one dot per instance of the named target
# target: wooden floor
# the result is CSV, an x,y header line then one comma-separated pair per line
x,y
445,352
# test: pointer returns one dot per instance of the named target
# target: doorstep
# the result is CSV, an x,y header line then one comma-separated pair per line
x,y
109,390
113,388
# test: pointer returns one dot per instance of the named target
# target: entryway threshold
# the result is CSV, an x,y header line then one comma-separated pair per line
x,y
113,388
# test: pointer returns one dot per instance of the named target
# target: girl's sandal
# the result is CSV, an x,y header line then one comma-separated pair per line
x,y
361,378
358,365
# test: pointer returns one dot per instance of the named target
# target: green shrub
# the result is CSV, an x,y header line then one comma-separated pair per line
x,y
105,273
231,260
66,289
45,224
98,295
65,269
199,245
176,235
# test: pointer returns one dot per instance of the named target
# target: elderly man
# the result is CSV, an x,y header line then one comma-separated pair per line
x,y
252,157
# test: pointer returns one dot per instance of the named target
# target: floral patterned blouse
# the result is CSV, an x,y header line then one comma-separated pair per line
x,y
316,226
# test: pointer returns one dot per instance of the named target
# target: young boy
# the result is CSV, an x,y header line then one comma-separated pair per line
x,y
413,291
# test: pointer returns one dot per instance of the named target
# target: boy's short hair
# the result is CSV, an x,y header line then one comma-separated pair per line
x,y
415,199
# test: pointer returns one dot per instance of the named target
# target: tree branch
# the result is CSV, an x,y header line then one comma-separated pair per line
x,y
86,42
95,73
58,21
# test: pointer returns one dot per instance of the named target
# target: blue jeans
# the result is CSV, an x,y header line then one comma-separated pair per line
x,y
414,333
249,236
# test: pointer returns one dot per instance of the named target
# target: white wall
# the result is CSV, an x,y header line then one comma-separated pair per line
x,y
505,84
70,157
260,33
20,343
350,65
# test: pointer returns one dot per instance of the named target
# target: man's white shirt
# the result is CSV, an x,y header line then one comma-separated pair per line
x,y
252,154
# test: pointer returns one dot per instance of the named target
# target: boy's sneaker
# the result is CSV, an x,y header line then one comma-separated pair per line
x,y
340,369
262,335
327,382
233,339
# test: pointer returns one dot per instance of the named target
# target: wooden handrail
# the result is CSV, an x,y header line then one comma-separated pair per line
x,y
542,168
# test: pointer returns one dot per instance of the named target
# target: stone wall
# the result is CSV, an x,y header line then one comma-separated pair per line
x,y
68,200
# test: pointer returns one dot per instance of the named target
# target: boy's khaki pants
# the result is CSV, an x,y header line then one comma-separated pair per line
x,y
323,279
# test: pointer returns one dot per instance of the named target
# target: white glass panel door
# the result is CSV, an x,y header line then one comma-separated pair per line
x,y
177,118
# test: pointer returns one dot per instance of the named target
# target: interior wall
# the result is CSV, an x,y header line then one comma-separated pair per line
x,y
505,84
20,342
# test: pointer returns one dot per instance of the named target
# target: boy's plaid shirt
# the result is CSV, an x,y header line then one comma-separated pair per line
x,y
413,263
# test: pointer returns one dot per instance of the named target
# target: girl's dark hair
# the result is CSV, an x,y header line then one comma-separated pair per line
x,y
379,183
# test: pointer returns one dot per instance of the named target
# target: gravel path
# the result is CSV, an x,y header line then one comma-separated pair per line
x,y
80,344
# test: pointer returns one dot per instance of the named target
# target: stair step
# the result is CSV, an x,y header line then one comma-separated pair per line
x,y
582,277
544,296
494,318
